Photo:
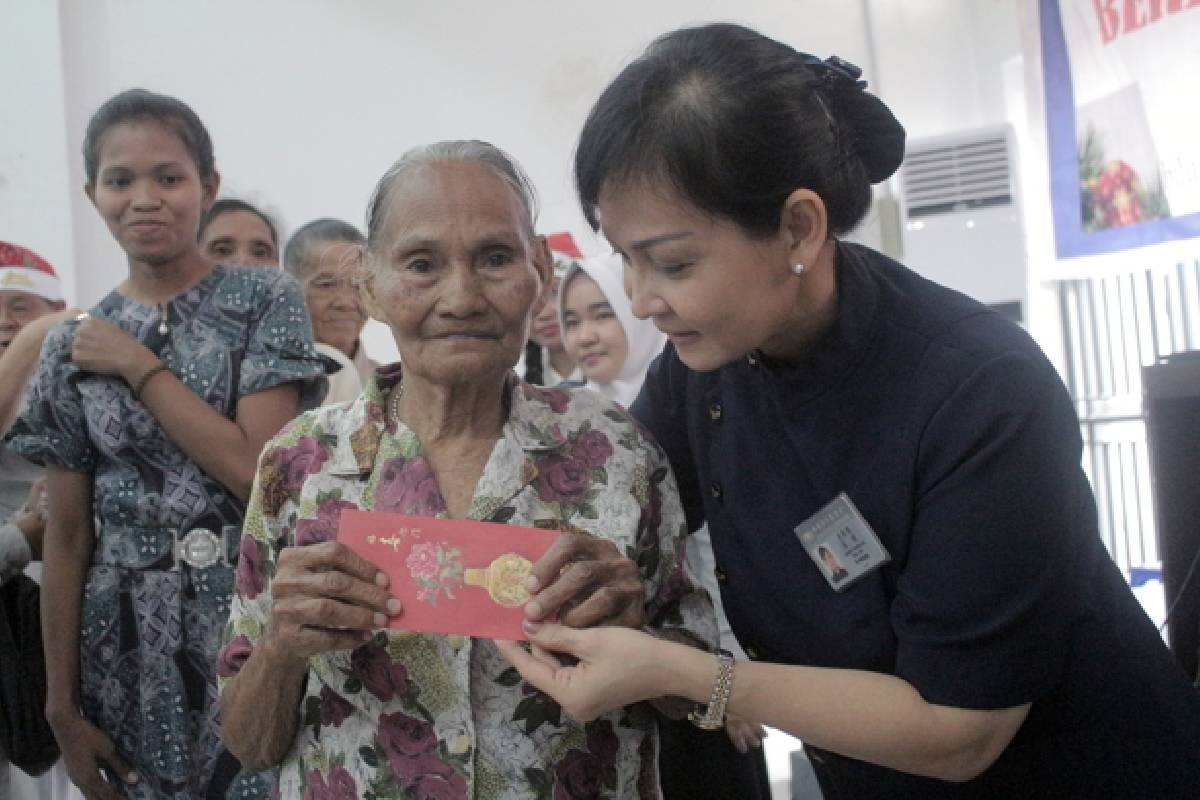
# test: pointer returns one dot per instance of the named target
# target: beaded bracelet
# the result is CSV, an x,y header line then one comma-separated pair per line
x,y
712,716
146,376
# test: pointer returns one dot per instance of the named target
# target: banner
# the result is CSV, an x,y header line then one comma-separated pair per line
x,y
1122,114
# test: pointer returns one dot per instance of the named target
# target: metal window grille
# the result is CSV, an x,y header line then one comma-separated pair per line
x,y
1112,326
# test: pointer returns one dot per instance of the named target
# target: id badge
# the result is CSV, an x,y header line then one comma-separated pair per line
x,y
841,543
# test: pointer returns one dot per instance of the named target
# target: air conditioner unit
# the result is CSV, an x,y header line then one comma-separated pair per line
x,y
960,222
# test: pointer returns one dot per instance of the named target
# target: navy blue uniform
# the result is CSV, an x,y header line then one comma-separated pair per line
x,y
956,439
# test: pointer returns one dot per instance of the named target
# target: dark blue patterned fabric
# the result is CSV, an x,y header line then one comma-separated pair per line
x,y
150,629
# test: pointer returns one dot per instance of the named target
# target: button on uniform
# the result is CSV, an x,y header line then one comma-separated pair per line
x,y
722,575
715,412
717,491
752,652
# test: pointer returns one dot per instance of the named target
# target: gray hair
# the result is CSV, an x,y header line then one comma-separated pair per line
x,y
299,247
485,153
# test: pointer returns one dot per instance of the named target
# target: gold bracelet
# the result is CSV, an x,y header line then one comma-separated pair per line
x,y
146,376
712,716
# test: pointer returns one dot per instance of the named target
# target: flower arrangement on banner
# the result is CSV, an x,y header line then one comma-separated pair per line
x,y
437,568
1112,194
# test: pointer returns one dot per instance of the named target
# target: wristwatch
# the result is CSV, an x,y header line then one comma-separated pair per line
x,y
711,717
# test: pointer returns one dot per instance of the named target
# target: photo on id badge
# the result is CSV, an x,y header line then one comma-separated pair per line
x,y
841,543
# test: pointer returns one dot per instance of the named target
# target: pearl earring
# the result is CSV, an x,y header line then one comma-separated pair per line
x,y
798,268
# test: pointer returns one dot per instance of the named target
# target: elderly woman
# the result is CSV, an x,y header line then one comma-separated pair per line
x,y
324,257
310,681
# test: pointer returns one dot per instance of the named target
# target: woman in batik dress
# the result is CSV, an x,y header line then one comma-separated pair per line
x,y
149,411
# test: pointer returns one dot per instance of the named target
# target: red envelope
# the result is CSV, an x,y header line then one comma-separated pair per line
x,y
452,575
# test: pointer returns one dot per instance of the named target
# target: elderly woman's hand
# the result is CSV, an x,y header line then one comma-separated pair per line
x,y
102,347
587,582
326,597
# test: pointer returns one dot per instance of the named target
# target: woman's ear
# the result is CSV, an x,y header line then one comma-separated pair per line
x,y
543,261
543,264
366,291
805,225
211,185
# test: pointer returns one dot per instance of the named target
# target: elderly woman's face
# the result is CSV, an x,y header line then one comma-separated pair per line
x,y
456,273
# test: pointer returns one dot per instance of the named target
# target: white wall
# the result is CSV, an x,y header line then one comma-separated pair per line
x,y
308,101
943,68
34,177
941,62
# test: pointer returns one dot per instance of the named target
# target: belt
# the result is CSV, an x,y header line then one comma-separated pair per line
x,y
199,548
153,548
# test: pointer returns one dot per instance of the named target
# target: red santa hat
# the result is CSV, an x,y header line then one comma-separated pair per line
x,y
566,253
22,270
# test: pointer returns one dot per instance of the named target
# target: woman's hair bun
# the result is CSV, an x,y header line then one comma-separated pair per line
x,y
734,122
877,136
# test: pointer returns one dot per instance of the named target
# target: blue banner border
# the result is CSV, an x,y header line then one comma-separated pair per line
x,y
1070,239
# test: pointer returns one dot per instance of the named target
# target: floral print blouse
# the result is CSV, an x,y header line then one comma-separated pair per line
x,y
410,715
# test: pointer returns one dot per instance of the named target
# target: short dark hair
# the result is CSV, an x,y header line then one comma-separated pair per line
x,y
326,229
735,122
228,205
139,104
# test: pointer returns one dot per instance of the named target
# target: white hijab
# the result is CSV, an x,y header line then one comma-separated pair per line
x,y
645,341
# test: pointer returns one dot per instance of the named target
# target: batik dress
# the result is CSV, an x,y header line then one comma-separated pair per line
x,y
410,715
152,612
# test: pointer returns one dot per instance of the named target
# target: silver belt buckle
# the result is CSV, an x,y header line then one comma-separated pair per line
x,y
200,548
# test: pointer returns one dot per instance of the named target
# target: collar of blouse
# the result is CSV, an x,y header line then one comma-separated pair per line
x,y
533,421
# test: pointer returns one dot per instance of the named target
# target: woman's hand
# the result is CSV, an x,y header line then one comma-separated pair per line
x,y
743,733
587,582
100,346
92,760
325,597
616,666
40,327
32,519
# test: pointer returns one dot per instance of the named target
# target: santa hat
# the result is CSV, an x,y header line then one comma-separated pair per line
x,y
566,253
22,270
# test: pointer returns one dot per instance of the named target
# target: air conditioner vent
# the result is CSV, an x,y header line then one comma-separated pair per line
x,y
956,177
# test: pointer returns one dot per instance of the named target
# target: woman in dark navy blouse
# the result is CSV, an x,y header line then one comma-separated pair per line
x,y
814,393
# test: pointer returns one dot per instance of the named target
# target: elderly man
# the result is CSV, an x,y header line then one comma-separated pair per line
x,y
325,257
312,678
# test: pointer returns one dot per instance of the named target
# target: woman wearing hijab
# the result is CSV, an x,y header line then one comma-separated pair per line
x,y
612,347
